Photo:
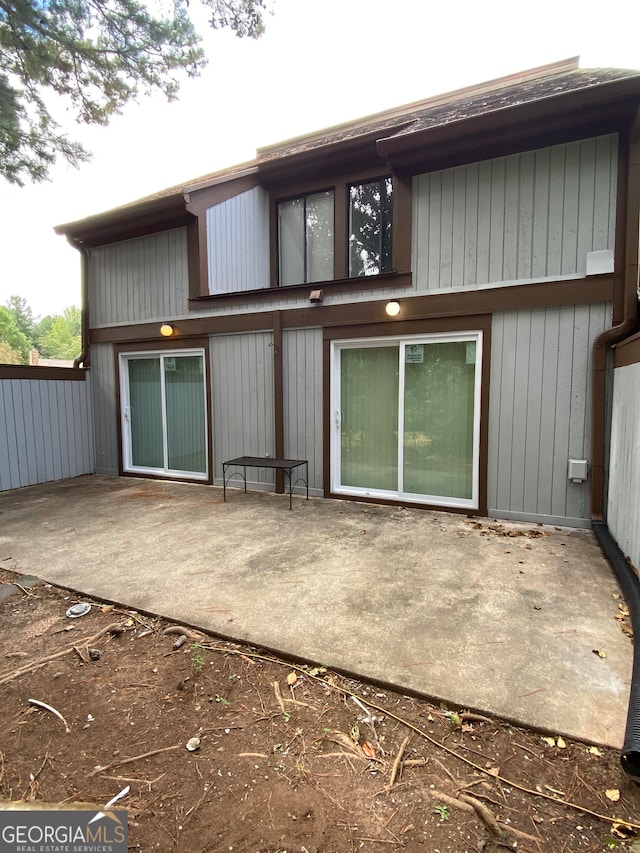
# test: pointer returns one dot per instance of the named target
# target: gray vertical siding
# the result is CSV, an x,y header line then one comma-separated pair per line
x,y
105,406
243,400
139,280
540,401
46,431
623,515
302,359
526,216
238,242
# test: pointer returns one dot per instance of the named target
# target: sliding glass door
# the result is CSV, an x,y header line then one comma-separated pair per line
x,y
164,421
406,418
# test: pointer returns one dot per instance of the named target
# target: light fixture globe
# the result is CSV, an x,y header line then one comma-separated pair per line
x,y
166,330
393,309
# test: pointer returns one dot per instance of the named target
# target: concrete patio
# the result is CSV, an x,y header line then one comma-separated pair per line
x,y
498,617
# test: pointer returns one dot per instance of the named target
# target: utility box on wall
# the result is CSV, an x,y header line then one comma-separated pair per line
x,y
578,470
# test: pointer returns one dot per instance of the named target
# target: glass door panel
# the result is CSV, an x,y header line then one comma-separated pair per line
x,y
145,412
186,448
369,418
407,418
164,414
439,419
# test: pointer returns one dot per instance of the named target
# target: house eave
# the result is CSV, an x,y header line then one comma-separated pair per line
x,y
608,105
125,223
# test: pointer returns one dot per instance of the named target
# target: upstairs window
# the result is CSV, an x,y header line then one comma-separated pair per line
x,y
306,238
342,232
370,207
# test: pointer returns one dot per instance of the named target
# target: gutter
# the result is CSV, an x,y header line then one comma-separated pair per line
x,y
629,248
84,357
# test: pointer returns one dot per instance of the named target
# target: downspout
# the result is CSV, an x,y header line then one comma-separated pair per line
x,y
627,580
84,357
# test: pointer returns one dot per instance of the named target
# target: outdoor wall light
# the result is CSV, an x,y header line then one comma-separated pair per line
x,y
393,309
166,330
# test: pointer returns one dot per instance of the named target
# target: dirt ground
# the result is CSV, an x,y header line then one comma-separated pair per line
x,y
289,757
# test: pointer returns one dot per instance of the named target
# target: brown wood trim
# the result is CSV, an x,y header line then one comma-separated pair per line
x,y
197,201
426,325
620,228
132,220
164,344
326,416
270,294
482,323
49,374
340,230
462,150
627,352
286,187
131,230
278,397
193,259
626,247
544,115
339,185
485,389
274,266
148,333
403,214
462,304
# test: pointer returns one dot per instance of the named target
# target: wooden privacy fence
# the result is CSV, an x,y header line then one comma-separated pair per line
x,y
46,425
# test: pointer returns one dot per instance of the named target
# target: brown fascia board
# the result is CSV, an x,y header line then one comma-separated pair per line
x,y
613,101
167,209
125,223
333,158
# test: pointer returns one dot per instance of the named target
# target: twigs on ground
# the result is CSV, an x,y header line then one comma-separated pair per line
x,y
190,634
32,788
484,814
396,764
114,628
51,710
278,695
448,800
438,744
122,761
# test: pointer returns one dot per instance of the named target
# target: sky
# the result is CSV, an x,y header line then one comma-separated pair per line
x,y
320,63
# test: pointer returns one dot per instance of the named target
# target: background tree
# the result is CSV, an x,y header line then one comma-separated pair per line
x,y
99,55
8,355
15,344
57,339
54,336
22,314
73,318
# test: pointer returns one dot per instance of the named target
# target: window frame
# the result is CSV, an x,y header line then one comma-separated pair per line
x,y
303,197
340,184
385,214
478,334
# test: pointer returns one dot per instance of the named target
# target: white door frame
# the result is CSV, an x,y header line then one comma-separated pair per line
x,y
401,341
125,410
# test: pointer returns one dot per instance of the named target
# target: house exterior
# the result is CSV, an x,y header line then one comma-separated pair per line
x,y
422,303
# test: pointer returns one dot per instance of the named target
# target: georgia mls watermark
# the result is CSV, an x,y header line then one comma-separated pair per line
x,y
63,832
